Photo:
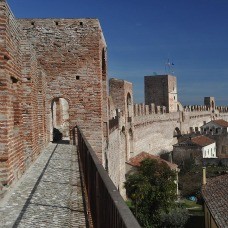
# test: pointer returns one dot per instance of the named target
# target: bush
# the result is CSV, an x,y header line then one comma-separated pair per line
x,y
177,218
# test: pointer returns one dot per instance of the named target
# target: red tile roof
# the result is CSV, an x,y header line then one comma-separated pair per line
x,y
221,122
215,194
202,140
135,161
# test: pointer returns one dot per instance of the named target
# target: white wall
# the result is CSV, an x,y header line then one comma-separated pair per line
x,y
209,151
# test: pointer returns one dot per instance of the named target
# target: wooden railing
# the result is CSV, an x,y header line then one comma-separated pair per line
x,y
107,207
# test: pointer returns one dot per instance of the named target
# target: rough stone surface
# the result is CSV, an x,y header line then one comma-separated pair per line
x,y
52,75
49,194
162,91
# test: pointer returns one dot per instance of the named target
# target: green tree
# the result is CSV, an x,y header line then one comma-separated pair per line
x,y
152,191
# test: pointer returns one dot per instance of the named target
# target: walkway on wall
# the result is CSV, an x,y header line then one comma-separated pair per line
x,y
49,194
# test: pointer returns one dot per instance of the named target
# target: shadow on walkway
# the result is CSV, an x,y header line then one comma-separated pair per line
x,y
57,180
62,141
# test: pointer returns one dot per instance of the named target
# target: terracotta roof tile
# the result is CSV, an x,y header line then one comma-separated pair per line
x,y
215,194
202,140
135,161
221,122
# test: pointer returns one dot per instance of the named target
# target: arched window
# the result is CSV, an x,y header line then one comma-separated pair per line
x,y
129,105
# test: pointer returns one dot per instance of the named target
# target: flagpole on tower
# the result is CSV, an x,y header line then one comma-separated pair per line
x,y
169,67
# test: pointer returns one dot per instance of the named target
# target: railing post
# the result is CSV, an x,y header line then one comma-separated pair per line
x,y
97,201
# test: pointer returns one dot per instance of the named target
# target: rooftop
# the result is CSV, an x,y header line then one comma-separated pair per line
x,y
222,123
215,194
135,161
200,140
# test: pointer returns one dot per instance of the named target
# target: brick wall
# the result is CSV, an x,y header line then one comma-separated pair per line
x,y
34,103
11,149
22,97
72,52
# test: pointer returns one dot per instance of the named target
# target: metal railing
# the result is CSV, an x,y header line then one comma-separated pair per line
x,y
107,207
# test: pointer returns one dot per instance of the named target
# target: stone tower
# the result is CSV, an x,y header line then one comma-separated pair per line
x,y
162,91
122,97
209,102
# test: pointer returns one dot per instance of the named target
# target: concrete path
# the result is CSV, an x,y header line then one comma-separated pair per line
x,y
48,195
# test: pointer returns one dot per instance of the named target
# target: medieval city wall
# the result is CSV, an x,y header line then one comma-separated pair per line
x,y
155,133
22,96
223,115
193,120
72,52
116,156
11,97
34,104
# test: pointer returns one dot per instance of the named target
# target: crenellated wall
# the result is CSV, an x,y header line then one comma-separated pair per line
x,y
43,61
151,128
53,74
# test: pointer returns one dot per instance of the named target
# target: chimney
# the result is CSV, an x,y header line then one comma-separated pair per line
x,y
204,176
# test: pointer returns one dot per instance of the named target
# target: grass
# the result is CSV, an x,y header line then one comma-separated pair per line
x,y
188,204
193,207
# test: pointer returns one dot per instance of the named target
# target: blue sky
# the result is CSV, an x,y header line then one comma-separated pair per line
x,y
142,34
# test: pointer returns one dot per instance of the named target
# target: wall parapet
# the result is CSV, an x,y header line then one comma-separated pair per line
x,y
222,109
149,119
199,108
143,109
197,114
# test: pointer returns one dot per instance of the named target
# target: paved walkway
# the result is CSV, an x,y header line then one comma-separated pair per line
x,y
48,195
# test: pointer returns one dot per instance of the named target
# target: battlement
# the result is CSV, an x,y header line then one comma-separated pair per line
x,y
142,109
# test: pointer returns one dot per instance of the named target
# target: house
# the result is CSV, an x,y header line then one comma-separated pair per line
x,y
215,127
215,195
194,148
134,163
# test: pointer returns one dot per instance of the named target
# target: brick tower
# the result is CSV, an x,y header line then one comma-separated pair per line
x,y
162,91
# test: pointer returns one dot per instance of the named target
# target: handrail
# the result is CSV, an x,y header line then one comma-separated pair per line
x,y
107,207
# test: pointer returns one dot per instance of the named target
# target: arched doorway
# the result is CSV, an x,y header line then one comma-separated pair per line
x,y
60,119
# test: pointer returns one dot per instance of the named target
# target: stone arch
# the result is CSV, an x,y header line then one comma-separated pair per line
x,y
59,118
129,105
130,138
176,132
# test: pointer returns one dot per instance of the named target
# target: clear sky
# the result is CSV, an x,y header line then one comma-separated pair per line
x,y
142,34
